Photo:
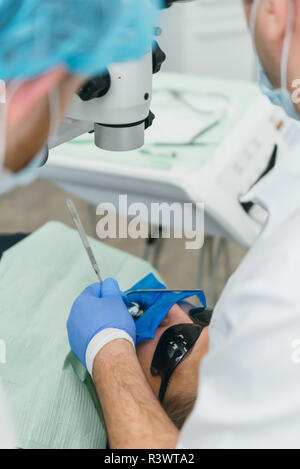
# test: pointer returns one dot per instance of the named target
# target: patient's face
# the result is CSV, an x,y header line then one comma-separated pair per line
x,y
186,374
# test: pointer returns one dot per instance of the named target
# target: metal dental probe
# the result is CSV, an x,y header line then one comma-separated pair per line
x,y
164,290
83,236
133,308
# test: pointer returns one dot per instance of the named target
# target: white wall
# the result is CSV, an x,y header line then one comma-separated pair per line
x,y
208,38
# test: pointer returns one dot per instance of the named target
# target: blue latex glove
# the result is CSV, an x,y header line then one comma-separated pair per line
x,y
157,305
98,316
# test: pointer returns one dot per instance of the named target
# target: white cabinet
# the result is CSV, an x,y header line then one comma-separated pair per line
x,y
208,38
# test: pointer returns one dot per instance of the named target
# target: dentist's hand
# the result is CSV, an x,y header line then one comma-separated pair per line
x,y
98,316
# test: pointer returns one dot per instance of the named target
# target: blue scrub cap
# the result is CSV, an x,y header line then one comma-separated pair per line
x,y
83,35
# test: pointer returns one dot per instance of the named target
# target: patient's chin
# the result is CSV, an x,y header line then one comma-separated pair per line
x,y
165,322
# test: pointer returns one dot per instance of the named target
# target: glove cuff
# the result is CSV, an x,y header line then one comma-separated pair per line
x,y
99,341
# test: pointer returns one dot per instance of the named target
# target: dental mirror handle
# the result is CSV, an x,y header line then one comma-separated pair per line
x,y
164,290
84,239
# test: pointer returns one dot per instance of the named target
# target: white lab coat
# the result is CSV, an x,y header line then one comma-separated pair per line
x,y
249,387
7,438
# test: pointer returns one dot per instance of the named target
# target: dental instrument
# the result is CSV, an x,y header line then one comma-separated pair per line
x,y
84,239
135,309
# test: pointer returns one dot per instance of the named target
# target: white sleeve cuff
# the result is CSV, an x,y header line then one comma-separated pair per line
x,y
99,341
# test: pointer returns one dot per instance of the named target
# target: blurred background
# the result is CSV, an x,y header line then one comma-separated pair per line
x,y
208,38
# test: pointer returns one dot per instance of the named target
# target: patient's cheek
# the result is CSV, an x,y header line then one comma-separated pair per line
x,y
140,350
145,352
205,341
199,351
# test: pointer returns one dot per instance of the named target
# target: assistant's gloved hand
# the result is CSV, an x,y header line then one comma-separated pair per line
x,y
98,316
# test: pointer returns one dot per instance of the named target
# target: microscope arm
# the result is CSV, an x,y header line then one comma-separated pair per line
x,y
115,105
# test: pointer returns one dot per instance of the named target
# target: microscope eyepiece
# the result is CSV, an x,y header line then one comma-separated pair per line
x,y
95,88
159,57
169,3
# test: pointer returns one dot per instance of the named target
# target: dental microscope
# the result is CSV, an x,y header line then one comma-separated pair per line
x,y
116,105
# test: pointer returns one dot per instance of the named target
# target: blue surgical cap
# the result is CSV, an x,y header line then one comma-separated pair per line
x,y
83,35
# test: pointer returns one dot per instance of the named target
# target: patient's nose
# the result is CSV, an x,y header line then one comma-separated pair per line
x,y
176,315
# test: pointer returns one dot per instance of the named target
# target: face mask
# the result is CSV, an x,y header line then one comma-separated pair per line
x,y
10,180
281,96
